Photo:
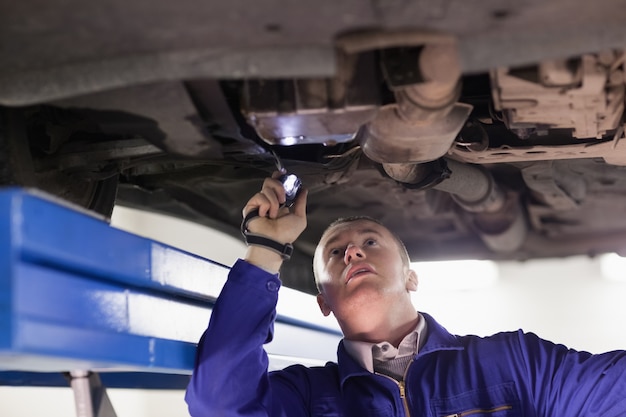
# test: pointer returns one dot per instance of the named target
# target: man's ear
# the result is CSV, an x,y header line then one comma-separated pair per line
x,y
411,281
321,301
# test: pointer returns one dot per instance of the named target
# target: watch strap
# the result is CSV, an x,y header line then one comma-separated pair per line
x,y
285,250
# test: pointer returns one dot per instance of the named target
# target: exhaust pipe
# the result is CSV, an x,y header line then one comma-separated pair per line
x,y
410,137
495,215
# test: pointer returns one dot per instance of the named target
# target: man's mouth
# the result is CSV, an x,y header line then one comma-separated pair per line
x,y
358,270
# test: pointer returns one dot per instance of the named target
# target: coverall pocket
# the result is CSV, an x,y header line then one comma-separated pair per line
x,y
326,407
329,407
495,401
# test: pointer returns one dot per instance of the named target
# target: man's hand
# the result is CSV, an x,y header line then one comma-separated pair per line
x,y
281,224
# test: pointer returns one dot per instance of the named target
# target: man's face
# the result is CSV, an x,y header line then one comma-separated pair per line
x,y
357,264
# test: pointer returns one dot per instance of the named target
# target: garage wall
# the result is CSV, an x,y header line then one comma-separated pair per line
x,y
563,300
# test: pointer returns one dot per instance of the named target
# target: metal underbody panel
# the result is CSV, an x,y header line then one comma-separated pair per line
x,y
51,49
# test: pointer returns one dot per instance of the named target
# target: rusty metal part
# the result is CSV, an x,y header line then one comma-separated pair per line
x,y
612,151
423,124
554,185
419,176
584,95
495,215
505,230
391,139
473,188
421,128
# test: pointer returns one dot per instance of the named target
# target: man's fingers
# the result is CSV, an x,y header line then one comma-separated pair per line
x,y
263,201
277,222
271,208
299,206
267,200
275,193
258,201
274,190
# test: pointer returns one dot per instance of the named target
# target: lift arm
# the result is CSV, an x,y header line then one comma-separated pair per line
x,y
78,296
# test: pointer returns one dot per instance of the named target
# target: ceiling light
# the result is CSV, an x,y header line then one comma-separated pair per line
x,y
456,275
613,267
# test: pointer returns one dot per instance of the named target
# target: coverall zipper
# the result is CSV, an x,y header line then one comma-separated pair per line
x,y
403,397
481,410
401,387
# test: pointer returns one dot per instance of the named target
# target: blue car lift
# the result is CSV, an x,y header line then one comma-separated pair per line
x,y
85,304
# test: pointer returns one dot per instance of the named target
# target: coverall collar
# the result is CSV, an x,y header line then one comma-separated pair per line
x,y
437,339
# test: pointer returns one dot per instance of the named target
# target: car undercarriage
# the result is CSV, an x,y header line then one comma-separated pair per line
x,y
473,129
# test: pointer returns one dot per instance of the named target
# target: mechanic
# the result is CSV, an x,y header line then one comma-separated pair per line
x,y
393,360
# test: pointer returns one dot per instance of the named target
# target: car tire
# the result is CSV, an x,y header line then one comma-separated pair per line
x,y
18,168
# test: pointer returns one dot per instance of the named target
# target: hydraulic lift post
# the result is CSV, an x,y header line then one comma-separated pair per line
x,y
90,395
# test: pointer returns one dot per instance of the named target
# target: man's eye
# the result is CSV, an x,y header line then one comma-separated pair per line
x,y
334,252
370,242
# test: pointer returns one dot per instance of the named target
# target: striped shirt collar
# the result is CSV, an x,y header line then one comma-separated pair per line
x,y
410,345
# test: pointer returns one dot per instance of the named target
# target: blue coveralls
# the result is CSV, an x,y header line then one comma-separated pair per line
x,y
512,374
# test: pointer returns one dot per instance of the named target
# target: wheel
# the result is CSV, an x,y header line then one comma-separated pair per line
x,y
30,141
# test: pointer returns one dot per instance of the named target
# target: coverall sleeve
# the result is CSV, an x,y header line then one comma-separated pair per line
x,y
565,382
230,377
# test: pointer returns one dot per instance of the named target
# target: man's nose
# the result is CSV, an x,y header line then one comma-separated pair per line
x,y
352,251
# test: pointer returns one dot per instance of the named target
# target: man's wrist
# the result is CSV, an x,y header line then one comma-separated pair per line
x,y
283,249
264,258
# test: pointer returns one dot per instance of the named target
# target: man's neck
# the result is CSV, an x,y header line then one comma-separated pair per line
x,y
390,328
